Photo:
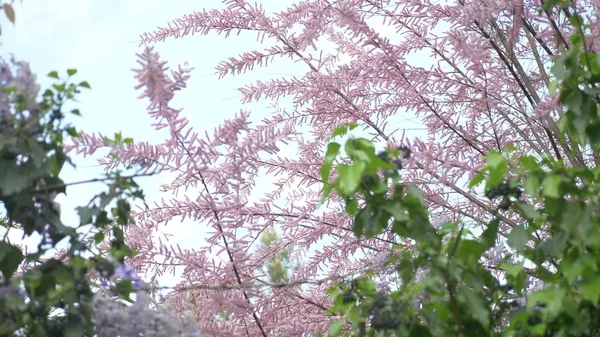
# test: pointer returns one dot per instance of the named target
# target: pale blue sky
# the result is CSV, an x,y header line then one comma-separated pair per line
x,y
98,38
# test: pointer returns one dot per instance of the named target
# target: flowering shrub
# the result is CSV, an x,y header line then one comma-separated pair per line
x,y
31,159
113,319
55,296
41,296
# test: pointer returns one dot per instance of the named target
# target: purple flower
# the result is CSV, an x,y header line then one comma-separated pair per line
x,y
138,284
127,272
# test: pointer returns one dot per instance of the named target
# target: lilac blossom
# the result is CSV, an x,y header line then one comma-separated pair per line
x,y
124,272
127,272
24,81
112,318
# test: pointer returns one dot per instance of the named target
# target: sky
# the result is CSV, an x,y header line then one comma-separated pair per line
x,y
100,40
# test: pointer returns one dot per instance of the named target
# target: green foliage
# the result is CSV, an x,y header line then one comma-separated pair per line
x,y
32,157
279,266
557,240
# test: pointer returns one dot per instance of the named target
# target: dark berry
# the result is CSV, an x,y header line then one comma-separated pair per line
x,y
349,297
504,204
398,164
405,151
503,190
368,180
534,320
383,155
385,313
514,304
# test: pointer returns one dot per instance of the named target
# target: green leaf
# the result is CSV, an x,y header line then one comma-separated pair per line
x,y
395,209
495,160
326,191
511,269
341,130
527,210
489,236
36,153
558,69
572,269
333,149
518,238
477,179
86,214
478,308
56,161
552,297
591,290
576,21
553,87
334,290
72,132
360,221
470,251
349,177
71,72
539,329
10,259
365,145
367,222
59,87
74,329
593,132
417,194
551,186
418,330
497,168
123,208
351,206
10,12
85,84
367,286
53,74
12,179
99,237
335,329
553,247
123,287
406,270
359,149
532,184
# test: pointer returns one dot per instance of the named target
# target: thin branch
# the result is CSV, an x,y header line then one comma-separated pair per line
x,y
220,228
